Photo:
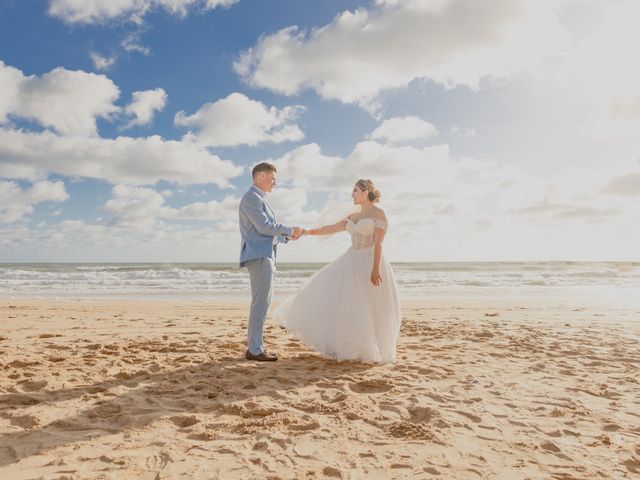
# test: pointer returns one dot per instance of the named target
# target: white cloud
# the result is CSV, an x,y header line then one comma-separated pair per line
x,y
290,203
65,100
100,11
308,167
404,129
142,160
452,42
238,120
441,203
16,202
628,184
224,210
143,209
464,209
144,105
10,82
101,62
135,207
131,43
599,74
76,240
457,130
403,167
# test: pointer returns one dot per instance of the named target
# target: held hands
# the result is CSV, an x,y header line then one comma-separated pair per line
x,y
297,233
376,279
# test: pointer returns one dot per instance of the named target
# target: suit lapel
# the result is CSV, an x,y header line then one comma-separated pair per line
x,y
269,209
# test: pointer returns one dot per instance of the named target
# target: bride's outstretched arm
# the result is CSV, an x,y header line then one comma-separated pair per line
x,y
341,226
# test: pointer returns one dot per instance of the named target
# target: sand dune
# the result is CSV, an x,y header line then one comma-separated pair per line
x,y
135,390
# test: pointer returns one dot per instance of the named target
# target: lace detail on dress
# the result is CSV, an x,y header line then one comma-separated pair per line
x,y
381,224
363,231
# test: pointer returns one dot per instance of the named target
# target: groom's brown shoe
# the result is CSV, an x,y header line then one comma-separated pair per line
x,y
263,357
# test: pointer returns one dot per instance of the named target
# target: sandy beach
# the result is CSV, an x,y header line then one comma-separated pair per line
x,y
160,390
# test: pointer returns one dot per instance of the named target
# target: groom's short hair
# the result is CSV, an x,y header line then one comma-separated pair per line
x,y
262,167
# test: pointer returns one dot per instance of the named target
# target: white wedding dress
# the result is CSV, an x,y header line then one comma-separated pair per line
x,y
339,312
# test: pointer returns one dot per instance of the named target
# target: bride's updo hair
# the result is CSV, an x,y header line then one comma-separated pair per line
x,y
367,185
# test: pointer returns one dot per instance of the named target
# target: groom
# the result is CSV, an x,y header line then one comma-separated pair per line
x,y
260,237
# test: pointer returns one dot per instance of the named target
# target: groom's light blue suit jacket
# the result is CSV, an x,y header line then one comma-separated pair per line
x,y
258,227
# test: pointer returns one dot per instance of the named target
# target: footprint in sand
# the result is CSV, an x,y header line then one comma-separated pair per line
x,y
331,472
33,385
409,430
550,447
184,421
306,447
371,386
24,421
422,414
204,436
105,410
14,400
611,427
158,461
7,456
470,416
21,364
632,465
307,424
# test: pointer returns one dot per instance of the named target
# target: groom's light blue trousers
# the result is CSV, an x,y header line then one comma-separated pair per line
x,y
262,273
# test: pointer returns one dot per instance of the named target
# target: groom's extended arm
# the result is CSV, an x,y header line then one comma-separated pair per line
x,y
251,206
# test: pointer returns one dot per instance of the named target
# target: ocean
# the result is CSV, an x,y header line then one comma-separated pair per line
x,y
619,281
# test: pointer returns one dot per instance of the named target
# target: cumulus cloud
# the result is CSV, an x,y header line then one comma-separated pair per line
x,y
101,63
451,42
624,185
401,167
238,120
404,129
11,80
99,11
596,72
427,191
134,208
560,210
131,43
457,130
224,210
144,105
68,101
16,202
142,160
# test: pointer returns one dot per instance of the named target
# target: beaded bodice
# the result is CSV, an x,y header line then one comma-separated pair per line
x,y
363,231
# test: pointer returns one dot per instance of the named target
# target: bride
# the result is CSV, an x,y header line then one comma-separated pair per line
x,y
349,309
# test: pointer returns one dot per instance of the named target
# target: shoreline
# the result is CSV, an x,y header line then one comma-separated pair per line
x,y
448,301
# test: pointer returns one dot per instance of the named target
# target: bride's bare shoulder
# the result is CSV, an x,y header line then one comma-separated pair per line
x,y
378,213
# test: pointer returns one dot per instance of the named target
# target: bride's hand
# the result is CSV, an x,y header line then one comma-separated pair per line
x,y
312,231
376,279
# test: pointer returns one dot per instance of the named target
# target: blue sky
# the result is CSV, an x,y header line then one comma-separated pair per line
x,y
502,130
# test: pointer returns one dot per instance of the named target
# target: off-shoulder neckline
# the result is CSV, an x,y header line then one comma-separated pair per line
x,y
366,218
